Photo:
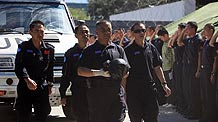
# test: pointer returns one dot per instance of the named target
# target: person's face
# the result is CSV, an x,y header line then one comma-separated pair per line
x,y
207,32
189,30
104,31
179,30
164,38
139,32
37,32
129,34
92,39
149,32
83,34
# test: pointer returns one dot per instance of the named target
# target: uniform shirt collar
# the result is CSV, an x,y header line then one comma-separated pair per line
x,y
111,44
43,45
138,46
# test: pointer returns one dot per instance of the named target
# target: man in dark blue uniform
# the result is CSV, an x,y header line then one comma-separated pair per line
x,y
207,76
78,84
105,95
34,69
177,66
215,44
191,69
144,59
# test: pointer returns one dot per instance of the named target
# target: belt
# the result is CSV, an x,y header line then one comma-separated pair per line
x,y
101,82
82,83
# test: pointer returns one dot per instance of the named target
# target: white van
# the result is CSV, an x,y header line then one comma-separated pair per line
x,y
15,17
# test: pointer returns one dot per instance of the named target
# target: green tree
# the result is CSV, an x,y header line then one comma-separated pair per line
x,y
102,9
79,14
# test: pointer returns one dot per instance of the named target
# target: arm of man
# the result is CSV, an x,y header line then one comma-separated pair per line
x,y
31,84
50,69
181,37
65,79
212,77
87,72
173,38
122,34
20,69
155,33
159,72
213,39
197,74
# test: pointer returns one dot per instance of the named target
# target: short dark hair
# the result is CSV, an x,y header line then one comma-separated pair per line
x,y
210,26
78,26
151,28
98,23
193,25
182,25
34,23
93,35
136,24
162,32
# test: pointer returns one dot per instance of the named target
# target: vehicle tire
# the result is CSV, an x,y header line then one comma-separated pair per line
x,y
68,109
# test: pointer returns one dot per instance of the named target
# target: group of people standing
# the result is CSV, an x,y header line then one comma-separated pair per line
x,y
191,61
184,63
97,96
196,62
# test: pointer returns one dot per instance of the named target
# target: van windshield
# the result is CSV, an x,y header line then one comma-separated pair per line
x,y
18,16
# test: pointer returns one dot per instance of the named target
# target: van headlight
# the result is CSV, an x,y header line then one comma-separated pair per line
x,y
6,63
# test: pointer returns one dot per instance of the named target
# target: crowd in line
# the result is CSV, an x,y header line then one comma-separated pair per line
x,y
189,66
178,69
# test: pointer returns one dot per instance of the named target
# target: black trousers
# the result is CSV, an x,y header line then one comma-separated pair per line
x,y
177,80
191,90
106,103
208,91
142,102
186,76
195,93
37,99
80,103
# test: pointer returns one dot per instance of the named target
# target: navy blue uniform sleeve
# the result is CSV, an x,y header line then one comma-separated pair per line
x,y
50,73
20,70
216,49
65,80
157,59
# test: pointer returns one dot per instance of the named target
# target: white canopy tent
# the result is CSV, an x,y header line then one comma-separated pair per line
x,y
166,12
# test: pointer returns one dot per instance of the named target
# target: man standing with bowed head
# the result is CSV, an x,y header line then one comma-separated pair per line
x,y
34,69
105,95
